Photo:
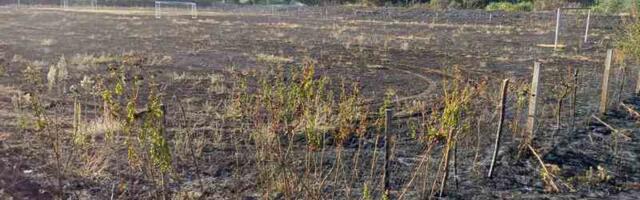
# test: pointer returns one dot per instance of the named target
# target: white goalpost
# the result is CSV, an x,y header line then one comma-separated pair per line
x,y
176,4
558,17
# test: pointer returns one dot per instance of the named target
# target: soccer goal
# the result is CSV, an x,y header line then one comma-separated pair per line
x,y
572,21
91,4
175,8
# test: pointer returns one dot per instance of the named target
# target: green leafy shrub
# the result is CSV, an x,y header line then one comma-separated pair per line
x,y
510,7
615,6
629,43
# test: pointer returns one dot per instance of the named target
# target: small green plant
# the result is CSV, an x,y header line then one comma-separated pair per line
x,y
386,104
130,124
366,194
592,176
79,137
33,75
348,112
47,130
456,101
143,132
22,119
288,101
153,128
3,68
447,124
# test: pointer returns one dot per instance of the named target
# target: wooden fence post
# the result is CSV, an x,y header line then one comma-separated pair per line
x,y
574,98
501,108
533,95
623,73
387,157
605,83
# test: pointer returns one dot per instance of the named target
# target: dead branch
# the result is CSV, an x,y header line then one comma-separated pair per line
x,y
544,167
616,131
630,110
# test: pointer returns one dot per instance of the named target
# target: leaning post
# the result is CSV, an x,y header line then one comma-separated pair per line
x,y
501,109
605,83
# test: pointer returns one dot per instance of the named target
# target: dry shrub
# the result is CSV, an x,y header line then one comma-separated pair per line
x,y
548,4
439,4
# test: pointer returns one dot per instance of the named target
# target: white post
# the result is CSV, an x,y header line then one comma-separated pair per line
x,y
194,10
326,13
18,5
157,11
555,43
586,32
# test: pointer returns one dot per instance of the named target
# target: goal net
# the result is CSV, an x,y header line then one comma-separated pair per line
x,y
90,4
176,8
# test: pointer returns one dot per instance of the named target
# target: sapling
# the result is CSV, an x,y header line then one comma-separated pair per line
x,y
451,122
154,129
46,128
361,131
348,107
561,90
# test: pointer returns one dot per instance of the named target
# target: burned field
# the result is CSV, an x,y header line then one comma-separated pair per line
x,y
247,103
